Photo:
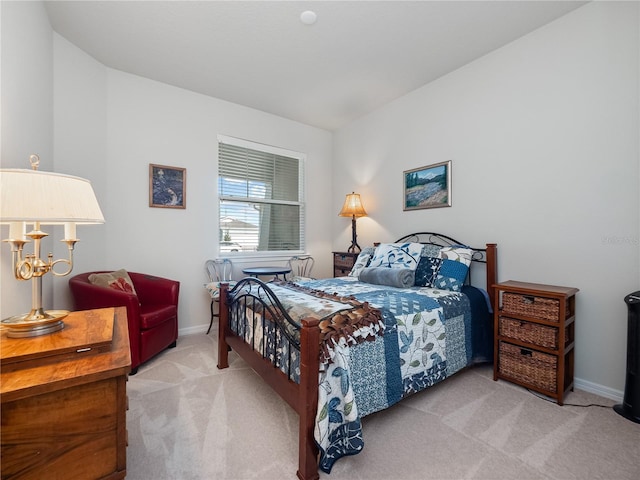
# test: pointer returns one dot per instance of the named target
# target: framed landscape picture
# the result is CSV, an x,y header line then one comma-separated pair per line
x,y
428,187
167,186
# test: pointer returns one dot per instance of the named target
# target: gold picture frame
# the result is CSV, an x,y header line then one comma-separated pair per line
x,y
427,187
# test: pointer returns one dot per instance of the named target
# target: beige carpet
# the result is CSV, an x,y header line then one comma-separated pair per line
x,y
187,420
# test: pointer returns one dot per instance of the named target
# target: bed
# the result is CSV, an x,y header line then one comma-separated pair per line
x,y
339,349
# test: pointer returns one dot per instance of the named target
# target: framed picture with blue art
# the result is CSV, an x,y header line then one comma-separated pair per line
x,y
428,187
167,186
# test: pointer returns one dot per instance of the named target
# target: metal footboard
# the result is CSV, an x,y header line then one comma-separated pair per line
x,y
257,316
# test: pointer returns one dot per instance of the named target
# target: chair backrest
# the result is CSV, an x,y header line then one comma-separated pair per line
x,y
219,270
301,265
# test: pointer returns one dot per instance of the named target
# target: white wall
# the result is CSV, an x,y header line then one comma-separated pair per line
x,y
27,123
80,148
150,122
544,138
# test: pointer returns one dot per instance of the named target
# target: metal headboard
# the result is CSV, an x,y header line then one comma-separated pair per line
x,y
487,255
431,238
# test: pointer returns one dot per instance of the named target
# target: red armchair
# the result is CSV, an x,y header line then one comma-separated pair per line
x,y
152,314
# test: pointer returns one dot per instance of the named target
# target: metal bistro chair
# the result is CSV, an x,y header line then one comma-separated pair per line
x,y
219,271
301,266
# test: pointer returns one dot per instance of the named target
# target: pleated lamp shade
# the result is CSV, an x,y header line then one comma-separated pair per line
x,y
46,197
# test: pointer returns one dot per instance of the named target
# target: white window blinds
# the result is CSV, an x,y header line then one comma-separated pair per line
x,y
261,198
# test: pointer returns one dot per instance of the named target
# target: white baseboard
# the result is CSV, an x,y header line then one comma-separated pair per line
x,y
194,330
597,389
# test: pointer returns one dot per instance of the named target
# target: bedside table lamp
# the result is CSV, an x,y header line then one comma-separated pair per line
x,y
353,208
30,197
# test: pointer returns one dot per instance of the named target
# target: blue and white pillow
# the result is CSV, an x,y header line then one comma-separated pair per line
x,y
362,261
427,270
397,255
445,269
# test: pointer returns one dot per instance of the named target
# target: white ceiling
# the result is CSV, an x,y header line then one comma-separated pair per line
x,y
358,56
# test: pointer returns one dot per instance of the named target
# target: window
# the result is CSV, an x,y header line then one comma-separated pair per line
x,y
261,198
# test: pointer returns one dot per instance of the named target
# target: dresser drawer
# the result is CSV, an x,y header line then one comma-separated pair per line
x,y
529,332
343,260
528,366
533,306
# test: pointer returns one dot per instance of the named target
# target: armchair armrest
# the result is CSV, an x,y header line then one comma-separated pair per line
x,y
155,290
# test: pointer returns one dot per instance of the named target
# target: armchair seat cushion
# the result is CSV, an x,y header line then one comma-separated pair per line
x,y
153,315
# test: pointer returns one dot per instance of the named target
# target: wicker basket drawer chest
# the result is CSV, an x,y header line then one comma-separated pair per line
x,y
534,335
343,263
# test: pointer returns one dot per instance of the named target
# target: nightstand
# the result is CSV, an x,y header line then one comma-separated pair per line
x,y
534,336
343,263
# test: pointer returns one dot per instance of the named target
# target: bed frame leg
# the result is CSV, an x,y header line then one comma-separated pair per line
x,y
223,321
308,402
492,270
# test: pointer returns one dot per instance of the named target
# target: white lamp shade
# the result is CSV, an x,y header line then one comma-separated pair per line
x,y
46,197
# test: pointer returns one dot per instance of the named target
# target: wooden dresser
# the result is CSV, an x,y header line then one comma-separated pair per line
x,y
64,408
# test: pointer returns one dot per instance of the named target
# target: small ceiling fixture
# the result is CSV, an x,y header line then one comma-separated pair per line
x,y
308,17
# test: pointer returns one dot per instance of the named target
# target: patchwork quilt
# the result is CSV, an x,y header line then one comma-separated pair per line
x,y
413,338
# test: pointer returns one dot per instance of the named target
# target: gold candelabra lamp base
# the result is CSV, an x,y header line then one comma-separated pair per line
x,y
31,267
20,326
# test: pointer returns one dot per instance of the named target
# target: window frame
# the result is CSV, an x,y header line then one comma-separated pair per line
x,y
301,203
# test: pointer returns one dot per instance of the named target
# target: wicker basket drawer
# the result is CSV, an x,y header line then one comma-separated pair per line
x,y
528,366
532,306
345,261
528,332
